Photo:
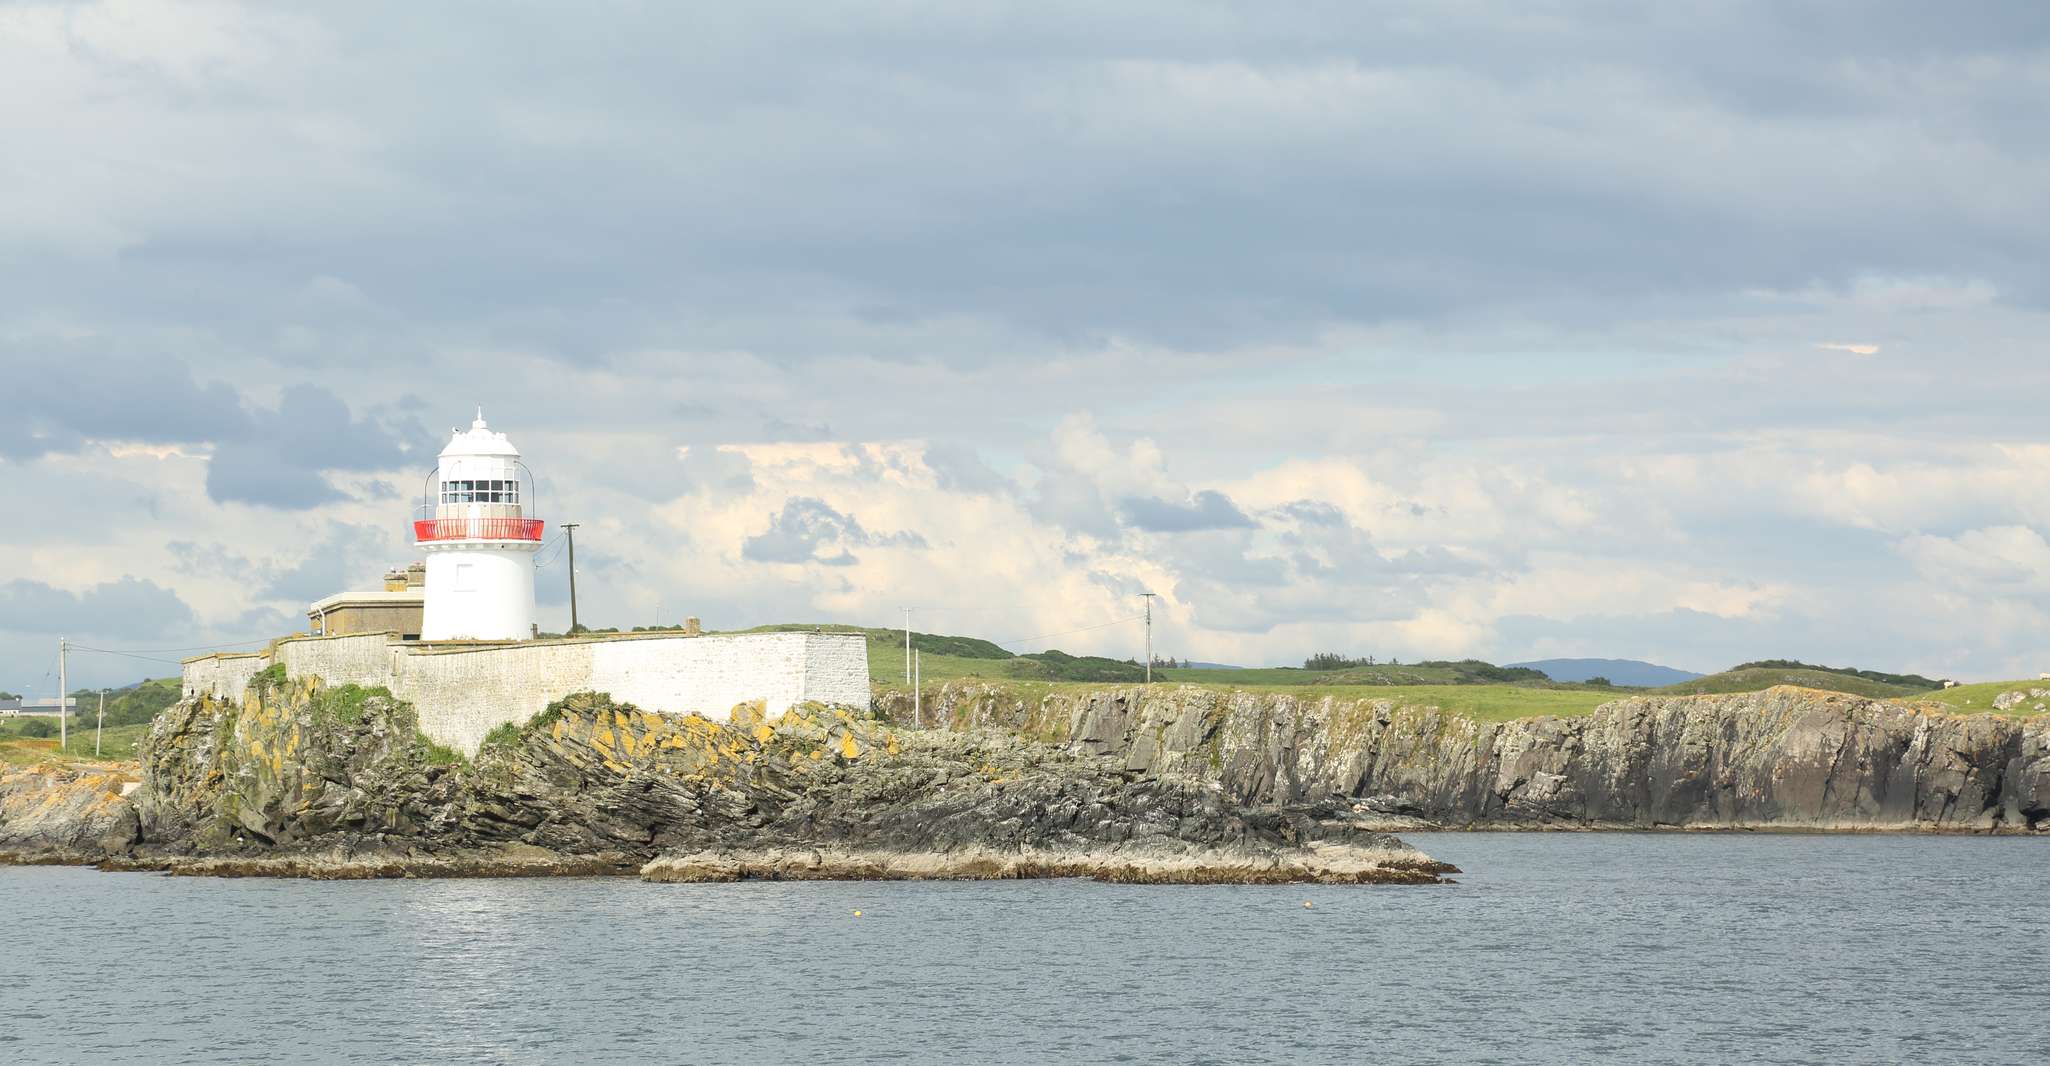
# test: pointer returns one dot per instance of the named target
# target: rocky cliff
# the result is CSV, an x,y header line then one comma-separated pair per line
x,y
59,813
299,779
1781,758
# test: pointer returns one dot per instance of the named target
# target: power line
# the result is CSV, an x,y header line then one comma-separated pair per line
x,y
196,647
126,655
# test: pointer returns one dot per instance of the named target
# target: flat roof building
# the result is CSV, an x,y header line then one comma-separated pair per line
x,y
396,608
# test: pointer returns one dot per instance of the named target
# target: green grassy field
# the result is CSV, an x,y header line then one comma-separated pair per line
x,y
117,744
1753,679
1978,698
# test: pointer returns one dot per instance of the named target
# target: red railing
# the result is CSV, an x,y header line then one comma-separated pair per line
x,y
428,529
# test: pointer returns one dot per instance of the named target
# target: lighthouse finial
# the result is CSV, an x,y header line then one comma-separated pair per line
x,y
479,424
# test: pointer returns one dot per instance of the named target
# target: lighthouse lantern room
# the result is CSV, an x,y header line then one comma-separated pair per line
x,y
479,543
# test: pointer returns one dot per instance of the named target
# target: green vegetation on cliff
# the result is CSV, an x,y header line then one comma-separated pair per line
x,y
1985,698
1759,678
1912,681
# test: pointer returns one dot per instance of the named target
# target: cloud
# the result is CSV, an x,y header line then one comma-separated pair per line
x,y
959,468
1113,299
1981,561
129,608
722,470
1854,349
809,530
1205,509
282,457
349,557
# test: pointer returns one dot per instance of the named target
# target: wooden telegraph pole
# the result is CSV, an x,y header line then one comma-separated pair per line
x,y
63,735
569,529
1149,635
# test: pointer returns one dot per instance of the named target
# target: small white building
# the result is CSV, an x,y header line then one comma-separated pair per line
x,y
478,540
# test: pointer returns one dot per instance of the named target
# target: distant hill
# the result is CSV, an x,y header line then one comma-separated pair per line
x,y
1913,681
1211,666
1755,678
1631,672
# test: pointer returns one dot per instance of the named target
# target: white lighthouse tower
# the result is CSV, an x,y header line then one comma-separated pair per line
x,y
479,541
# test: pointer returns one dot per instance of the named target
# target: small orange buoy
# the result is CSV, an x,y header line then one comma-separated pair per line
x,y
1306,905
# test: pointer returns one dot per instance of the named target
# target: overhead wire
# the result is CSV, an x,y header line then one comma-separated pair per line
x,y
195,647
124,654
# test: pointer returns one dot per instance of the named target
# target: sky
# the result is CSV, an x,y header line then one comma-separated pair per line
x,y
1689,333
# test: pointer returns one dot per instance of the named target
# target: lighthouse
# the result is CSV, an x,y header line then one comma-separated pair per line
x,y
479,543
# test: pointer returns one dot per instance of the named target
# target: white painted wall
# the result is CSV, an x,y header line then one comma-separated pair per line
x,y
358,659
479,591
221,676
462,694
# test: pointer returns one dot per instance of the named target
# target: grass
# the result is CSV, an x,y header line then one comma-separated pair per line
x,y
1978,698
117,744
1756,678
345,704
437,754
1482,703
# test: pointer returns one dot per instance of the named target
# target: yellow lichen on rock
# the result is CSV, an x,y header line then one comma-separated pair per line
x,y
848,749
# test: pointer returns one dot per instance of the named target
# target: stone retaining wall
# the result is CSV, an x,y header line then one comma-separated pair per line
x,y
464,692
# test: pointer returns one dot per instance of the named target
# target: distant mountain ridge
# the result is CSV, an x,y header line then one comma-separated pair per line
x,y
1633,672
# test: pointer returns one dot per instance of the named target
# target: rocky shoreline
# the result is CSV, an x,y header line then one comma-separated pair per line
x,y
299,780
1786,759
1168,785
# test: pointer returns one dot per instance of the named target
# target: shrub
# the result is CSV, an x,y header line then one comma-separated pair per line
x,y
435,754
507,735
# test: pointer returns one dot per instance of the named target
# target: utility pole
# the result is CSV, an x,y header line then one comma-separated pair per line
x,y
569,529
907,645
1149,636
100,723
63,736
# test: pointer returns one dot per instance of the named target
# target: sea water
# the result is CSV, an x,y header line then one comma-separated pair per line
x,y
1626,948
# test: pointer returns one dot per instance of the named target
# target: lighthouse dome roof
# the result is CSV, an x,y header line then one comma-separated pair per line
x,y
479,439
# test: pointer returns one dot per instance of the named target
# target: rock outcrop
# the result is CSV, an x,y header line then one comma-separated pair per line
x,y
65,814
302,780
1781,758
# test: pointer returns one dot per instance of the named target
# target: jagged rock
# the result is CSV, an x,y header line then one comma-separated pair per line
x,y
1785,757
57,813
300,780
